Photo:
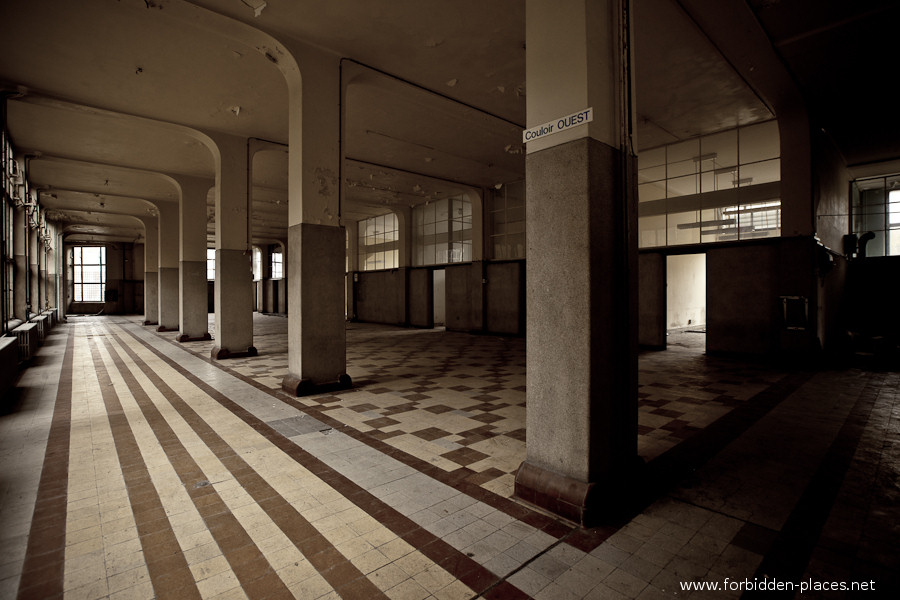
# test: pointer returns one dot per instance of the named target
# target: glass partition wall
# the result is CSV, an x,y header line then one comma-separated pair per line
x,y
714,188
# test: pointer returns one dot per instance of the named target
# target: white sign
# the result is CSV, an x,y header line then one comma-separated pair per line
x,y
575,119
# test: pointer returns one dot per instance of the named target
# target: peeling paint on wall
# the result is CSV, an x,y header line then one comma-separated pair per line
x,y
326,179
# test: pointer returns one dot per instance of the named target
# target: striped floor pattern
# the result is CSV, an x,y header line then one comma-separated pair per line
x,y
137,468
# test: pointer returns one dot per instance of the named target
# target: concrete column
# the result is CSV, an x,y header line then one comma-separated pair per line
x,y
169,302
193,323
581,269
317,358
151,270
234,272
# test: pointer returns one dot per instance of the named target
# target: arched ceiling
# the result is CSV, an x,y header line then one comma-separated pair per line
x,y
106,93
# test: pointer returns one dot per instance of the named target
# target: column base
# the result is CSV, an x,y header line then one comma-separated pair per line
x,y
222,353
296,386
187,338
150,323
586,504
163,328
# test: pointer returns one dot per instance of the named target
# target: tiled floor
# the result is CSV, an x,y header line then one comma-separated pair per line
x,y
135,467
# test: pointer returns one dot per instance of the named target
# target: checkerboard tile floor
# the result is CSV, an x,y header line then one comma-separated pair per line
x,y
403,378
135,467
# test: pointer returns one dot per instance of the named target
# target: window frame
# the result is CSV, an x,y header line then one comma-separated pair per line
x,y
78,265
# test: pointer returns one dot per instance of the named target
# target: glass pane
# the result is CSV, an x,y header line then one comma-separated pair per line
x,y
683,228
652,231
90,255
516,244
719,150
651,174
91,273
682,186
761,172
515,194
651,191
652,158
681,158
760,220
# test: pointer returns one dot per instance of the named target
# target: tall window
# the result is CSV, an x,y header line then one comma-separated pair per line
x,y
507,213
9,171
89,273
379,243
442,231
714,188
211,264
257,264
277,265
876,210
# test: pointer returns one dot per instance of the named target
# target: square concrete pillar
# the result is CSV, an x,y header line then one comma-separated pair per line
x,y
316,332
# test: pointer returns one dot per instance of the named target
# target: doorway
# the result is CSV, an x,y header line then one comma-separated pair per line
x,y
686,300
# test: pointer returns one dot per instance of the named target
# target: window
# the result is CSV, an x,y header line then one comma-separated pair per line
x,y
507,214
714,188
277,265
89,273
379,243
211,264
10,172
876,209
442,231
257,264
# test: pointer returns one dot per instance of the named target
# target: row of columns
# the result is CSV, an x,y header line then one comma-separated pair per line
x,y
37,273
581,269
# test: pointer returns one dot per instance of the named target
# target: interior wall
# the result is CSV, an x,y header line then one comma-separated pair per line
x,y
871,298
652,299
124,282
421,298
505,297
685,291
465,297
381,296
743,310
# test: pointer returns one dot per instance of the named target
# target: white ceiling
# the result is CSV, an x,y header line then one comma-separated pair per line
x,y
103,91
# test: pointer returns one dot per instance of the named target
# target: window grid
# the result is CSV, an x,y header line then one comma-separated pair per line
x,y
876,209
9,171
507,221
682,188
379,243
277,265
442,232
211,264
89,273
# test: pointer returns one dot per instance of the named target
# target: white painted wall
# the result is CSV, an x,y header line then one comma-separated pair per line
x,y
686,291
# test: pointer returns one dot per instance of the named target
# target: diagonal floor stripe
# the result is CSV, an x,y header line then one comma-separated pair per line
x,y
464,568
253,571
169,572
339,572
42,573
